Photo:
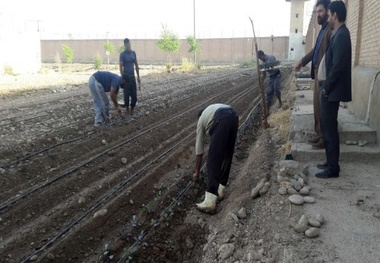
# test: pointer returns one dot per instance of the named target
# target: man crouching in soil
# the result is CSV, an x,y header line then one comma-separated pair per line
x,y
221,123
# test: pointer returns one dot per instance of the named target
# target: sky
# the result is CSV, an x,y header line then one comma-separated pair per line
x,y
144,18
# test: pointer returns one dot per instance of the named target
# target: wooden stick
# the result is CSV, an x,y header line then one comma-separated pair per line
x,y
261,80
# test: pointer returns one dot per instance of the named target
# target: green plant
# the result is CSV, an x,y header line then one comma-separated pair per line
x,y
69,53
194,45
121,48
187,65
249,64
8,70
169,42
110,49
168,67
98,61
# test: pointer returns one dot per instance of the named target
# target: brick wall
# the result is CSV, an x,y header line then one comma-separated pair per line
x,y
225,50
363,19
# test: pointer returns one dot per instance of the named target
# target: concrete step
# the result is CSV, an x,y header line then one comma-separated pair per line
x,y
350,127
304,152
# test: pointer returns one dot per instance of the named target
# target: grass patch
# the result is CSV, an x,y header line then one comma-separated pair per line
x,y
249,64
9,70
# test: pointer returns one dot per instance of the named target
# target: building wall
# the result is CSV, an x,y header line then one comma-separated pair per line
x,y
224,50
296,38
363,21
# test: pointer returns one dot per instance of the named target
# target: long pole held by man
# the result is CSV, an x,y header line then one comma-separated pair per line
x,y
261,80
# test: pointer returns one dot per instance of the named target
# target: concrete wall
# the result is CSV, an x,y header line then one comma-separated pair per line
x,y
363,21
296,38
225,50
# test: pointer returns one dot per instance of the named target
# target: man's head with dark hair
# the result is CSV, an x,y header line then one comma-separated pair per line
x,y
337,12
127,44
261,55
321,9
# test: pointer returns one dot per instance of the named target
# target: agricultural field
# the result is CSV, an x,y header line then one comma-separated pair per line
x,y
70,192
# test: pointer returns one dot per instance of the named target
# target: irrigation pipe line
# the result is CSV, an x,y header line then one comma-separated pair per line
x,y
178,198
31,190
82,137
103,199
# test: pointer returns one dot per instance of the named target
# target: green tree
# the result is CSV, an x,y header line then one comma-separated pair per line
x,y
69,53
194,45
110,49
98,61
169,42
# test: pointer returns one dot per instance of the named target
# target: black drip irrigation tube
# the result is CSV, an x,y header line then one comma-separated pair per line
x,y
254,112
8,203
121,185
28,156
103,199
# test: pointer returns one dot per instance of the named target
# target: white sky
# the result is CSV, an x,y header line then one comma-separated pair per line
x,y
143,18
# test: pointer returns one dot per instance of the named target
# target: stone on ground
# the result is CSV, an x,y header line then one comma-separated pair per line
x,y
296,199
226,250
312,232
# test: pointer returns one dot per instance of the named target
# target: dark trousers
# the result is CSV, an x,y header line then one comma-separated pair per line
x,y
273,87
329,125
130,90
222,145
316,106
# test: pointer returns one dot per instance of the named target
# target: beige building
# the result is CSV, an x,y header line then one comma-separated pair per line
x,y
296,37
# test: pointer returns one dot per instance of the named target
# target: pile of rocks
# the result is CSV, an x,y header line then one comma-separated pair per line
x,y
262,187
309,225
293,181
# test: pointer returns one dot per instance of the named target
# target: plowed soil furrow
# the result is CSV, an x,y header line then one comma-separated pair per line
x,y
30,223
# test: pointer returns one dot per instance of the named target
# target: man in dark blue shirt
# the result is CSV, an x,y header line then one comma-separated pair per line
x,y
127,64
100,83
268,63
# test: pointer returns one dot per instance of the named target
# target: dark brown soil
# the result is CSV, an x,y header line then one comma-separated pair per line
x,y
49,196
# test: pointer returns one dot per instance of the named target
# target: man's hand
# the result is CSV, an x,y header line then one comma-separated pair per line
x,y
298,66
196,176
139,82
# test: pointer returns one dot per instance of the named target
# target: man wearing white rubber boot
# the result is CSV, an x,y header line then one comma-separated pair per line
x,y
221,123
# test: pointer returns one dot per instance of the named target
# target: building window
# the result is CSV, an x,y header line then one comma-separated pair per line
x,y
297,15
296,30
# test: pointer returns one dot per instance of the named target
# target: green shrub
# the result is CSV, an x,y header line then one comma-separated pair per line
x,y
249,64
69,53
98,61
8,70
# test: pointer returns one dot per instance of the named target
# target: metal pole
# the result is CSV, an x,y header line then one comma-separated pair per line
x,y
195,38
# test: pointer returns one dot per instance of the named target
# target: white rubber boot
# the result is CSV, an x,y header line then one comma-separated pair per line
x,y
208,206
221,192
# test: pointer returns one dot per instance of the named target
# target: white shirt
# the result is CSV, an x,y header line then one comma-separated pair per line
x,y
205,122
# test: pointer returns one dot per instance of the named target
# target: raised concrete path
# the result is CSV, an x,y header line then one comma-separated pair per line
x,y
350,203
350,129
